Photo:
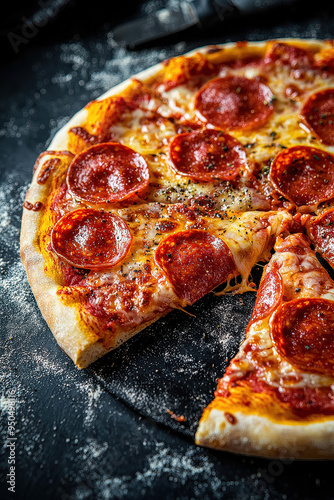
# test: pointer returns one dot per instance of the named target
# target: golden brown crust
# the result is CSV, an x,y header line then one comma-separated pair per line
x,y
253,434
260,424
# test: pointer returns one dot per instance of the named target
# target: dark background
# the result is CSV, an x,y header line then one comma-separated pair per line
x,y
105,432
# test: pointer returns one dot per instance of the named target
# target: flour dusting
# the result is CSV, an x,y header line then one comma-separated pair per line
x,y
92,393
184,467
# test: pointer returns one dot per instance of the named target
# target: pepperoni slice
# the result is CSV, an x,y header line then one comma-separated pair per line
x,y
91,239
269,296
107,172
303,175
289,55
235,102
195,262
318,113
303,334
207,154
321,232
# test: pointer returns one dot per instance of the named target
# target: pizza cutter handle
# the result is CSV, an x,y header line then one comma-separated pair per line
x,y
207,11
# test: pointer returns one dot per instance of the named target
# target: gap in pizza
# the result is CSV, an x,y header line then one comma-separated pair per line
x,y
180,180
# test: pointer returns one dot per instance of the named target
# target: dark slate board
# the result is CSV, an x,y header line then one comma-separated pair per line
x,y
76,439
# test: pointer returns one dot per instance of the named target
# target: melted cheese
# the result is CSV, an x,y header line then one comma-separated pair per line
x,y
151,137
246,234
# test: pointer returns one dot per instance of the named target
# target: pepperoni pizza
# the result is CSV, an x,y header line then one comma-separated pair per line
x,y
182,179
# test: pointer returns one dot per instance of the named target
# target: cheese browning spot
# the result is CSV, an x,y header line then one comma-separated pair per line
x,y
34,207
230,418
48,167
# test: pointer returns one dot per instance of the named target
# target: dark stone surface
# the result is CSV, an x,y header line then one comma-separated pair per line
x,y
105,432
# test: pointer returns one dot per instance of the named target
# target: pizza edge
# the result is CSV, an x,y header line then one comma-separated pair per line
x,y
259,422
257,435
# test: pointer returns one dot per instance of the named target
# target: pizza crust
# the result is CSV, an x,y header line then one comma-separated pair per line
x,y
260,436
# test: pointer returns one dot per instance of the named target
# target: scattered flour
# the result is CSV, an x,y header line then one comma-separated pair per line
x,y
45,363
108,68
91,451
186,467
7,403
92,393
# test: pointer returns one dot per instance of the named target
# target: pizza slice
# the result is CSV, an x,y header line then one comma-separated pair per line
x,y
276,398
101,272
